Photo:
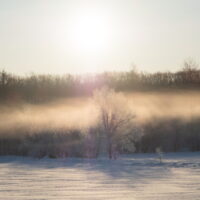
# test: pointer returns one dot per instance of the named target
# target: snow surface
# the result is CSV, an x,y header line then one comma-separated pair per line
x,y
138,176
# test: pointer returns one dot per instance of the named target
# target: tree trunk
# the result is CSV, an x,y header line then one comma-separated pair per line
x,y
110,153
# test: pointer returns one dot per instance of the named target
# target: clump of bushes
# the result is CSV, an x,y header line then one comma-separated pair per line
x,y
54,144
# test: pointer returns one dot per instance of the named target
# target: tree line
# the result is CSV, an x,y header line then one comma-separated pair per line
x,y
42,88
170,135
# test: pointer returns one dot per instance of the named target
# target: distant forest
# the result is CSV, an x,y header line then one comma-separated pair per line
x,y
42,88
115,129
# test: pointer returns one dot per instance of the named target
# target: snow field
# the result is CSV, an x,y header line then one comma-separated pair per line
x,y
135,177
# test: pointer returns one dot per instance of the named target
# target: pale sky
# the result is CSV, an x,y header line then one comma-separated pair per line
x,y
78,36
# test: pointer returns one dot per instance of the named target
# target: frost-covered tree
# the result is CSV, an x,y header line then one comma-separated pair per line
x,y
129,140
115,116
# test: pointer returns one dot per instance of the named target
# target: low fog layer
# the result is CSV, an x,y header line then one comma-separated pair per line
x,y
64,114
82,113
181,104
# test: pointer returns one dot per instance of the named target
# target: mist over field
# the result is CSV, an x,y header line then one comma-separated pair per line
x,y
61,114
180,104
81,112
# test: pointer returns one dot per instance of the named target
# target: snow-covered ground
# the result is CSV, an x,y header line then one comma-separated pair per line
x,y
138,176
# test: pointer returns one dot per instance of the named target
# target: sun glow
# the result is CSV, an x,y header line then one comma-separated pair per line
x,y
86,36
90,32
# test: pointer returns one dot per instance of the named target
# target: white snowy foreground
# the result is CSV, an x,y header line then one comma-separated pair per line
x,y
138,176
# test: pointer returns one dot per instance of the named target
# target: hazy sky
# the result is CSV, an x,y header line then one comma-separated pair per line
x,y
61,36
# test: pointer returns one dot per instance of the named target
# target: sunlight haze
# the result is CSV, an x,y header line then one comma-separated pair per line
x,y
76,36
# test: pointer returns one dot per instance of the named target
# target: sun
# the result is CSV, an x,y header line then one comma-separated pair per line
x,y
85,36
89,32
